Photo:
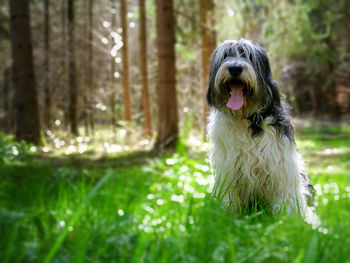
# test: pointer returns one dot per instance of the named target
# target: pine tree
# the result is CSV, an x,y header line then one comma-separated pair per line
x,y
26,101
167,135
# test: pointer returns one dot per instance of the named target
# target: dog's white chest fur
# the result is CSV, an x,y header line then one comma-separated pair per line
x,y
266,168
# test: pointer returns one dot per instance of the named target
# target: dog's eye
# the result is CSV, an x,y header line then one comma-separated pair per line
x,y
241,52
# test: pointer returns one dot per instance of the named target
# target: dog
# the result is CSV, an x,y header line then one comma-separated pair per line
x,y
251,136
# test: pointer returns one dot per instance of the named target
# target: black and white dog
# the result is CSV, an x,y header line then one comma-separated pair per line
x,y
250,132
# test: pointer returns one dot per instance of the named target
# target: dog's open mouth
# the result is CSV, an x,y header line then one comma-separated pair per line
x,y
236,100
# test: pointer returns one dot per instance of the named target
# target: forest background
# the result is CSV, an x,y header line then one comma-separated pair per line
x,y
87,74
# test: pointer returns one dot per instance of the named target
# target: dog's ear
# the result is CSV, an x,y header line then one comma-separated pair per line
x,y
211,82
272,93
275,97
275,108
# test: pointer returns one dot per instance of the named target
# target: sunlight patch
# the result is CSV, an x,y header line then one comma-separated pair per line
x,y
203,168
312,218
177,198
46,149
150,196
197,195
14,150
182,228
171,161
148,209
70,149
33,149
329,151
330,168
160,202
184,169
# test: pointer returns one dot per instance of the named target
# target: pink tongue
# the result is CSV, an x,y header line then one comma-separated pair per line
x,y
236,100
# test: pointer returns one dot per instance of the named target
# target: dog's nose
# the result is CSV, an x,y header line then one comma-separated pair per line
x,y
235,70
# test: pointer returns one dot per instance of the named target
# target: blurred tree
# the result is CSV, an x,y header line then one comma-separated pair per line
x,y
47,89
7,105
64,62
343,67
307,41
308,35
167,135
4,32
88,70
113,68
89,111
208,41
144,68
26,101
72,82
125,60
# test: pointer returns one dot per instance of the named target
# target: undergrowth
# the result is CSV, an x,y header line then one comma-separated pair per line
x,y
139,208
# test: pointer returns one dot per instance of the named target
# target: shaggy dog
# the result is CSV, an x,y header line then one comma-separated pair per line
x,y
251,136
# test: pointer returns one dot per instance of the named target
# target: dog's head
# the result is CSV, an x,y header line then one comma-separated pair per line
x,y
240,79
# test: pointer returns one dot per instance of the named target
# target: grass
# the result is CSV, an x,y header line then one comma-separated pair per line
x,y
138,208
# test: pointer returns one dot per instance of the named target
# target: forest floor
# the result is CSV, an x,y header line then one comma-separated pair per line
x,y
135,207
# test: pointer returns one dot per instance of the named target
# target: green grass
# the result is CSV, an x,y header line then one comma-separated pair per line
x,y
139,208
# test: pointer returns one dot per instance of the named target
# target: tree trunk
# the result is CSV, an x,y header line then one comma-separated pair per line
x,y
125,58
208,41
88,74
334,104
90,71
64,104
332,89
113,90
167,135
6,101
316,99
47,88
72,82
26,101
84,73
144,69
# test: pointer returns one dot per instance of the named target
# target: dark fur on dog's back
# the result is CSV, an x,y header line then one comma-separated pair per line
x,y
271,105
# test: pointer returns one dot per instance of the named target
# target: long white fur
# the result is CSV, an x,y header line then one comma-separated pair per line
x,y
267,167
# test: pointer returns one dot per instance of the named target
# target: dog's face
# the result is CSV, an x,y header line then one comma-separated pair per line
x,y
240,79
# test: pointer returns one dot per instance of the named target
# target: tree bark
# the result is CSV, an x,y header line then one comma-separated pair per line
x,y
72,82
88,73
113,69
7,102
47,88
208,41
144,69
64,64
316,99
167,135
26,101
332,89
90,70
125,58
334,104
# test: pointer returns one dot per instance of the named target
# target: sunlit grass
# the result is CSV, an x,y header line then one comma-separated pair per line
x,y
139,208
121,140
